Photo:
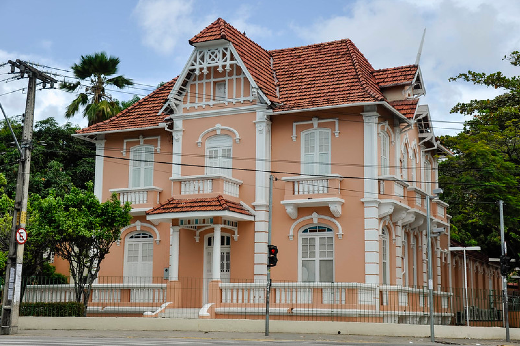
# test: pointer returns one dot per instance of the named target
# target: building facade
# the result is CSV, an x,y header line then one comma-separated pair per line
x,y
353,158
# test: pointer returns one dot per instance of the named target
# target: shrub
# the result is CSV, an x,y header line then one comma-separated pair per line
x,y
70,309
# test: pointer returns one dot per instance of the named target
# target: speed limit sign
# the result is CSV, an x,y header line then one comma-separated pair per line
x,y
21,236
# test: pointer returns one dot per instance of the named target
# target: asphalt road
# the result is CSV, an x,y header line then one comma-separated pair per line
x,y
145,338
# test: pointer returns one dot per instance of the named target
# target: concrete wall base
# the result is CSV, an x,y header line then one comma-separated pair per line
x,y
258,326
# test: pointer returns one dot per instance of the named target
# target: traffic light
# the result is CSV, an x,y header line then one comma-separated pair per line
x,y
505,265
272,256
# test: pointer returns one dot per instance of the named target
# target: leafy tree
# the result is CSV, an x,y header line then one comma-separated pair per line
x,y
485,167
126,104
81,230
6,223
58,159
97,70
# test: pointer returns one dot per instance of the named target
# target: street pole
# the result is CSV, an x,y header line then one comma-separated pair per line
x,y
504,277
13,271
430,279
268,289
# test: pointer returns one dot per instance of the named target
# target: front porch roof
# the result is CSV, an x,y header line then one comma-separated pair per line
x,y
199,208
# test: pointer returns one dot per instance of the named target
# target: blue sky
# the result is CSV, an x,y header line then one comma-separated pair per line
x,y
151,39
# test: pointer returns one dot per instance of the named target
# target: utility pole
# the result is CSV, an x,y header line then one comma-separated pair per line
x,y
504,277
268,289
13,271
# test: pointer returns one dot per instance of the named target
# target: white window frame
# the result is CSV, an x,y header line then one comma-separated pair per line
x,y
427,176
144,167
415,253
385,256
317,167
328,233
404,164
405,260
414,169
385,153
220,93
219,165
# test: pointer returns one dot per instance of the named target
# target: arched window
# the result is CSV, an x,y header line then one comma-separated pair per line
x,y
138,263
141,166
404,164
219,155
385,153
317,254
385,265
405,260
316,151
414,170
427,177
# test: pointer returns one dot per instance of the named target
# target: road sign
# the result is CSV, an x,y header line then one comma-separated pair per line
x,y
21,236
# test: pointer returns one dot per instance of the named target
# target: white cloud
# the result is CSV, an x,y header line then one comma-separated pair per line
x,y
165,22
240,22
48,103
461,35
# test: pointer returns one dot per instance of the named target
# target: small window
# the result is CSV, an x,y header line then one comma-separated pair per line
x,y
317,254
316,152
385,153
220,91
219,155
385,270
141,166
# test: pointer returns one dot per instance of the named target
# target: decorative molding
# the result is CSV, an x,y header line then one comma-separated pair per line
x,y
385,209
292,210
383,127
315,217
141,140
315,121
138,225
218,128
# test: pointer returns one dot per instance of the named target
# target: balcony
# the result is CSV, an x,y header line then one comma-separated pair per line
x,y
391,187
141,198
315,191
208,185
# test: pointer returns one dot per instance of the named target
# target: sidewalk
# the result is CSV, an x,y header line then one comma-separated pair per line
x,y
260,336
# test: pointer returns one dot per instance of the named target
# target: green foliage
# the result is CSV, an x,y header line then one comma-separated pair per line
x,y
81,230
70,309
53,145
98,105
486,164
126,104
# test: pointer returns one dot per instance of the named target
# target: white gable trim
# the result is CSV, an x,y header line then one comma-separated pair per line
x,y
138,224
315,217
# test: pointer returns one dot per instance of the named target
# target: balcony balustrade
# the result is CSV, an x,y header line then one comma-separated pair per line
x,y
141,198
206,185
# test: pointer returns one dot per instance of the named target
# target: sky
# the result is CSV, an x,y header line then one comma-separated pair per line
x,y
151,39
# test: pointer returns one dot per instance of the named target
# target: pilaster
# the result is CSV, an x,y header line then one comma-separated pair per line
x,y
177,148
174,253
98,173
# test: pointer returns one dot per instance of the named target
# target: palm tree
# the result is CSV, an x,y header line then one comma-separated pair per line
x,y
97,70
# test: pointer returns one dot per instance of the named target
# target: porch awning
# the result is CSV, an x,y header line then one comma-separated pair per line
x,y
199,208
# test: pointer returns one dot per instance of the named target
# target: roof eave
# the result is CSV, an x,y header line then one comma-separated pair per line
x,y
86,134
167,217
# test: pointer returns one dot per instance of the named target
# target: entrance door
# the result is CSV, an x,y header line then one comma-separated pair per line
x,y
138,258
225,261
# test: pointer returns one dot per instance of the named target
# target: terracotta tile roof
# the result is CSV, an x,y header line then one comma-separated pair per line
x,y
324,74
218,203
405,107
256,59
143,113
395,75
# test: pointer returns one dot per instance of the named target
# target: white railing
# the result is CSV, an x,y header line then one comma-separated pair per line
x,y
203,184
239,293
303,185
195,187
140,195
101,293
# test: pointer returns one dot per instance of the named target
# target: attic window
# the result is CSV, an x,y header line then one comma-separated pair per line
x,y
220,91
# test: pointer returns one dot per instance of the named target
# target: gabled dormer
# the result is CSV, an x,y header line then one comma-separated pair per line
x,y
400,83
224,68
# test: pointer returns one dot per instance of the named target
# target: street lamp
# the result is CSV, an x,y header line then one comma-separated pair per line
x,y
436,192
465,248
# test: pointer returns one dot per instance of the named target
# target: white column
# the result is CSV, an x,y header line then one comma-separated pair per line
x,y
98,173
174,253
398,254
438,262
216,253
177,148
371,214
261,204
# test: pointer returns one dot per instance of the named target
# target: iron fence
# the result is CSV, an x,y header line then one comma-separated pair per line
x,y
246,299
